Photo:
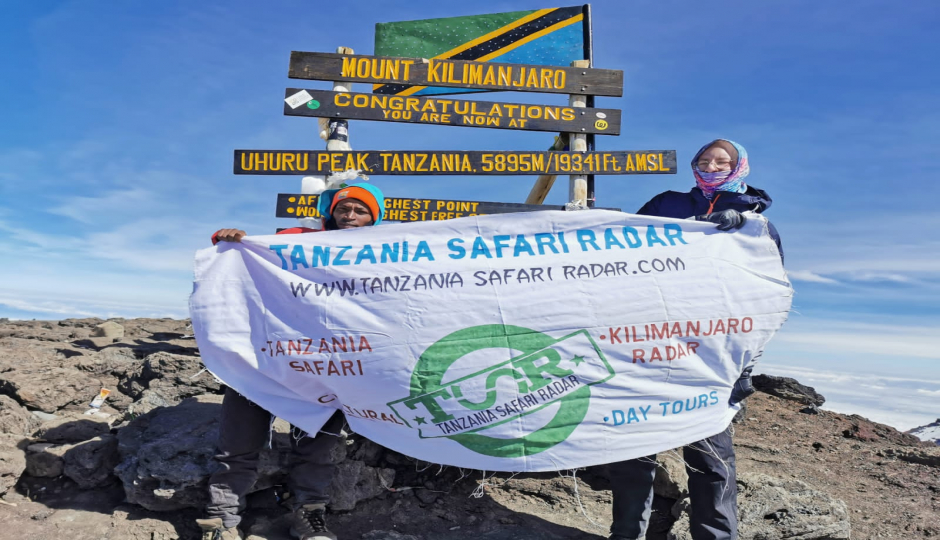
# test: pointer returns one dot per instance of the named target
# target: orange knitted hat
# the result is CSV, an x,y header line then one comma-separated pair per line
x,y
360,194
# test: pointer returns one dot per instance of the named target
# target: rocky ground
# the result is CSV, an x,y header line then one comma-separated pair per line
x,y
136,468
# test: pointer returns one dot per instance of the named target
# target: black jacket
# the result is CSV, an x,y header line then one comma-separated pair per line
x,y
674,204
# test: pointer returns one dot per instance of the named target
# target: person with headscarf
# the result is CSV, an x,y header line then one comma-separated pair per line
x,y
245,428
720,196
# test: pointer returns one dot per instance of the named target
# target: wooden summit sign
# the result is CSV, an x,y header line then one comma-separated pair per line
x,y
455,73
451,112
402,209
454,162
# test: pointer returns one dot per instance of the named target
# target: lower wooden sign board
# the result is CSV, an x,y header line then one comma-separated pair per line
x,y
451,112
454,162
401,209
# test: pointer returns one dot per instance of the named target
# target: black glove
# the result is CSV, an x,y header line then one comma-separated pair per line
x,y
743,387
726,219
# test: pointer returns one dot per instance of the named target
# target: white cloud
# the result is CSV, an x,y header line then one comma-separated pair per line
x,y
91,209
821,337
806,275
880,277
904,403
63,306
882,343
850,379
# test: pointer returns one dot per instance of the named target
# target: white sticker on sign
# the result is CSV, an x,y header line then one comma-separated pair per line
x,y
601,115
298,99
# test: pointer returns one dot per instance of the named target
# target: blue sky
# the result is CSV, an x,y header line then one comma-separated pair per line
x,y
119,121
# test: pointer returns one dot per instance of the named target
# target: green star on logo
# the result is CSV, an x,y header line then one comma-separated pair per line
x,y
577,360
420,420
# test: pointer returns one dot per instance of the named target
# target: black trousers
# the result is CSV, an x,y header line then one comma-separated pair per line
x,y
245,430
713,491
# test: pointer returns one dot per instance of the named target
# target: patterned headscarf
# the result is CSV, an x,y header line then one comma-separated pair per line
x,y
732,181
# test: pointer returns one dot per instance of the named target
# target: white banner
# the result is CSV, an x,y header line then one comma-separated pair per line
x,y
515,342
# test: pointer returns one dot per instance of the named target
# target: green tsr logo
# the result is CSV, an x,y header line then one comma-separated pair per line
x,y
486,410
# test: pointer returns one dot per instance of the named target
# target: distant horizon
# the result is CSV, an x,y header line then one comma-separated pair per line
x,y
905,419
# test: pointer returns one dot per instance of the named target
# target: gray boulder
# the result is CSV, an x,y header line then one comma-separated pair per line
x,y
105,334
108,329
12,461
774,509
787,388
73,428
354,481
47,387
173,376
149,400
18,353
91,464
114,361
166,459
166,454
46,460
15,419
671,477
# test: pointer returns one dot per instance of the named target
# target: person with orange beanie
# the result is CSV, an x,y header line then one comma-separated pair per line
x,y
245,428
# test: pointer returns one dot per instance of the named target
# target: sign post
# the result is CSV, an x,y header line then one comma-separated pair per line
x,y
577,142
543,184
411,89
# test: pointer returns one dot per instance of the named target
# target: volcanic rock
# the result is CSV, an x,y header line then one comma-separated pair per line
x,y
49,388
166,454
354,481
108,329
91,463
925,456
787,388
73,428
15,419
671,477
12,461
773,509
46,460
173,376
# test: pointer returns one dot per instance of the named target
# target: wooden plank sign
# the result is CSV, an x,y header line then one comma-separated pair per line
x,y
455,74
454,162
450,112
401,209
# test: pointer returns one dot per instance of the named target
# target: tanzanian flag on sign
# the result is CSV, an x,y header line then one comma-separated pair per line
x,y
552,37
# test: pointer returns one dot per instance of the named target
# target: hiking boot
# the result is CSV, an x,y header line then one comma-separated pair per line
x,y
308,523
213,529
